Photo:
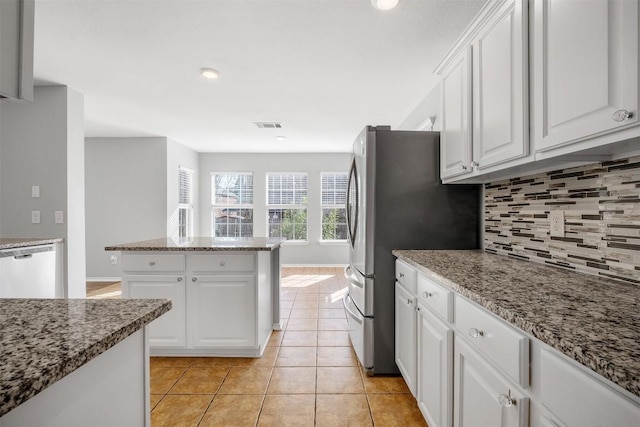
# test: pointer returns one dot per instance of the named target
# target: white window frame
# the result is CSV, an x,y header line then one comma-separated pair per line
x,y
215,206
288,206
187,207
330,206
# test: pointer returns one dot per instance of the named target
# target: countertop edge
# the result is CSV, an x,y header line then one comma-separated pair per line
x,y
190,249
21,243
611,372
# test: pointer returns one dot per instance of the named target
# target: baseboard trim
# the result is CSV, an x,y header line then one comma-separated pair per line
x,y
104,279
315,265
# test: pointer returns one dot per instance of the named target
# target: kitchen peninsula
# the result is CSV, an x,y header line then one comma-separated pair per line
x,y
225,292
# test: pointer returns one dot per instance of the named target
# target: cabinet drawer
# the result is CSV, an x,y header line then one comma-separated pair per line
x,y
565,387
501,343
406,275
221,263
435,296
153,263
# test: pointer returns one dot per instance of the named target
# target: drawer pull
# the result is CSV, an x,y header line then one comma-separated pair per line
x,y
622,115
194,279
152,263
409,301
400,275
179,279
222,263
426,294
475,333
506,401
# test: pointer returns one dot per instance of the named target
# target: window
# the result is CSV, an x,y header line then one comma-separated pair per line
x,y
232,204
334,212
287,203
185,202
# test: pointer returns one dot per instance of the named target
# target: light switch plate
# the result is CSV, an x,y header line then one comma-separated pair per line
x,y
35,217
556,223
59,217
35,191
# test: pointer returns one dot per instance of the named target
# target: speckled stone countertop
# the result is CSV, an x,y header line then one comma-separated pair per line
x,y
12,242
592,320
201,244
43,340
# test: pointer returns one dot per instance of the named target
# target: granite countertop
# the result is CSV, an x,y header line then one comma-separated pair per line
x,y
43,340
201,244
14,242
594,321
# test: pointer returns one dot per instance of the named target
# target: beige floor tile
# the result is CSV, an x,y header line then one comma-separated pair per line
x,y
296,356
288,294
302,325
307,296
242,380
333,287
155,399
285,313
286,304
200,381
180,410
330,302
304,313
288,411
171,362
327,270
331,313
339,380
276,338
338,410
310,270
300,339
333,325
336,356
395,410
333,339
233,410
385,384
305,304
211,362
292,380
162,379
268,358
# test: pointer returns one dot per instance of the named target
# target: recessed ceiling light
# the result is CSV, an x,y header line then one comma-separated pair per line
x,y
281,137
209,73
384,4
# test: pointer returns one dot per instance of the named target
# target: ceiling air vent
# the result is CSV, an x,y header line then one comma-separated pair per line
x,y
268,125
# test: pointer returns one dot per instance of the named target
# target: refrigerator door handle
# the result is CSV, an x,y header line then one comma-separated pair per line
x,y
351,314
352,185
352,277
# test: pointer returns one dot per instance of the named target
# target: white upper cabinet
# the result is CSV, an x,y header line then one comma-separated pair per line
x,y
485,92
500,87
584,69
16,50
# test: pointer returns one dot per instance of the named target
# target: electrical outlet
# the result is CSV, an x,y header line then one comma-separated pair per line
x,y
35,217
114,259
556,223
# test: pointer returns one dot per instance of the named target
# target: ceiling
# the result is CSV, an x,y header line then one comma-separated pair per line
x,y
323,68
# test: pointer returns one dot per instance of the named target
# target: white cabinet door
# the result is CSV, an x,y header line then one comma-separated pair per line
x,y
585,68
455,138
222,311
435,370
406,336
168,330
481,396
500,87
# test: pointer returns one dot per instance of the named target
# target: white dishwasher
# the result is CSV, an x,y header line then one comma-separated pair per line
x,y
28,272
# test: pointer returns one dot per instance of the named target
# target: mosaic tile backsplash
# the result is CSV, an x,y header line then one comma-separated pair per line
x,y
602,218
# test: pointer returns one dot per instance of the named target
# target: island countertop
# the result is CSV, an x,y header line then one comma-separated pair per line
x,y
15,242
593,320
201,244
43,340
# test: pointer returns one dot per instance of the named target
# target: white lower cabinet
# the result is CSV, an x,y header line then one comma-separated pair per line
x,y
169,329
405,341
482,396
222,311
435,369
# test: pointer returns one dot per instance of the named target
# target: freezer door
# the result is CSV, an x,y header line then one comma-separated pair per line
x,y
360,332
361,290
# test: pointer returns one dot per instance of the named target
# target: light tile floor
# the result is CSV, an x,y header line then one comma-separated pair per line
x,y
308,376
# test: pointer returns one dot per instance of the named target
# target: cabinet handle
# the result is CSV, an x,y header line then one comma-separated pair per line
x,y
622,115
426,294
409,301
152,263
475,164
506,401
400,274
179,279
475,333
222,264
463,167
194,279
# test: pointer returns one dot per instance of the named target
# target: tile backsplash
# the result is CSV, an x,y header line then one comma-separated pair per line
x,y
602,218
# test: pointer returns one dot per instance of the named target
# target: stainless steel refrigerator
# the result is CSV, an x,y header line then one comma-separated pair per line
x,y
395,200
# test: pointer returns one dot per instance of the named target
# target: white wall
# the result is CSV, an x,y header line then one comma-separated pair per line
x,y
42,145
179,155
431,105
313,253
126,196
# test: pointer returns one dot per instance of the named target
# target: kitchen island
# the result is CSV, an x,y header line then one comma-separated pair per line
x,y
75,362
225,293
